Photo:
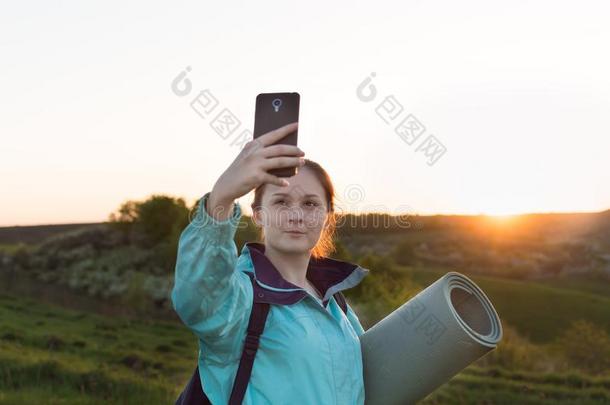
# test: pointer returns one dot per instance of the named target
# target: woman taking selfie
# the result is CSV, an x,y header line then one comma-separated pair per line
x,y
309,350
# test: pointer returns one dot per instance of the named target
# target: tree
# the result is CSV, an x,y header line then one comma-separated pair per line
x,y
155,223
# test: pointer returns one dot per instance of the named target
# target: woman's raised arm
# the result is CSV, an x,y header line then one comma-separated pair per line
x,y
209,296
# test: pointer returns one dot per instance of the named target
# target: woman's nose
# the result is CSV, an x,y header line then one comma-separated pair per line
x,y
293,219
295,215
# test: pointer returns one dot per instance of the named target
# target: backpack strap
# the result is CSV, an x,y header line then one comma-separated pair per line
x,y
340,298
194,393
256,325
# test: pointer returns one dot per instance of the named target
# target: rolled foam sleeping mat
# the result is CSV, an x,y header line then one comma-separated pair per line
x,y
428,340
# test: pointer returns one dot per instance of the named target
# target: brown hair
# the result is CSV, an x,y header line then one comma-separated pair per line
x,y
325,244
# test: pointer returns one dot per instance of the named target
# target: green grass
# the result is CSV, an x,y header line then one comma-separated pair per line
x,y
583,283
496,386
53,355
538,311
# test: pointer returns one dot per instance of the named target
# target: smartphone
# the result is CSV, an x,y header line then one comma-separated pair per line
x,y
274,110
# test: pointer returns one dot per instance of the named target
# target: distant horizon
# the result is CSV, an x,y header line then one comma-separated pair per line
x,y
362,213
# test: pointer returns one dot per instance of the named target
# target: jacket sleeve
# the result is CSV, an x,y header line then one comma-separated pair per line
x,y
209,295
353,318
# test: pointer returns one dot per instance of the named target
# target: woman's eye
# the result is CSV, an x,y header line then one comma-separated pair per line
x,y
308,203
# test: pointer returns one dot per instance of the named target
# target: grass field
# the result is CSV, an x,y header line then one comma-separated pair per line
x,y
52,355
538,311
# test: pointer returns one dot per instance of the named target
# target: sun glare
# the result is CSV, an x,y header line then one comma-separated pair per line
x,y
502,217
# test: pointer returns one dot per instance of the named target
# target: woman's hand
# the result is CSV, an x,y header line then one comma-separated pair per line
x,y
249,170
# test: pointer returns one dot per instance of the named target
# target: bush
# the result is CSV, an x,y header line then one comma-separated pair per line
x,y
383,290
515,352
136,296
404,252
586,346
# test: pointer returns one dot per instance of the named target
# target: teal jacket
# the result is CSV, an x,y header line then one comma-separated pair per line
x,y
309,351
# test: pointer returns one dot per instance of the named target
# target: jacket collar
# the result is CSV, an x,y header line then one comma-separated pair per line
x,y
326,274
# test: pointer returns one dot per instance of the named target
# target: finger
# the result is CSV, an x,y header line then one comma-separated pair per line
x,y
278,181
273,136
282,150
283,161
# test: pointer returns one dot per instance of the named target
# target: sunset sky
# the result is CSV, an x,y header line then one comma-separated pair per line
x,y
517,93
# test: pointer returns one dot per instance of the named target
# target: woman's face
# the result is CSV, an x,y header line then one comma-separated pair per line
x,y
299,207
